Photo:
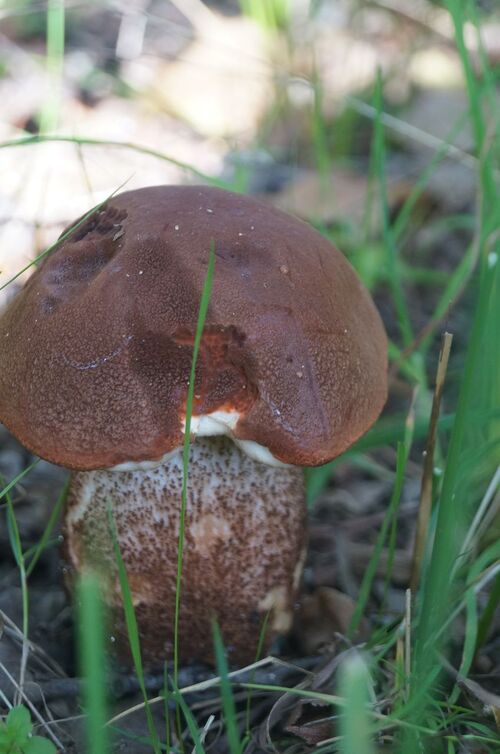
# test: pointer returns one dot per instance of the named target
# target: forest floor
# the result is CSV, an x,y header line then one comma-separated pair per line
x,y
377,122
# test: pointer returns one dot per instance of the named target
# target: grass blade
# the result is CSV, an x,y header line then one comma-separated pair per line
x,y
425,507
93,663
127,145
355,722
366,584
205,298
55,64
228,705
393,264
60,240
42,543
7,488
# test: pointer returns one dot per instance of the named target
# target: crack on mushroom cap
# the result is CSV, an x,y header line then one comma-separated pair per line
x,y
100,223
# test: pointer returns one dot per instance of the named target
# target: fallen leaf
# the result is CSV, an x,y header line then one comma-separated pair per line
x,y
323,614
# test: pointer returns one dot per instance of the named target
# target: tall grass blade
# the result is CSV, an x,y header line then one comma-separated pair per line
x,y
205,298
190,721
393,263
55,64
8,487
44,539
93,662
425,505
355,720
228,705
391,513
464,481
57,243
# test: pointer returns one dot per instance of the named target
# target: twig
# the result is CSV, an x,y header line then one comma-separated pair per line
x,y
481,519
416,134
487,698
53,689
32,708
22,665
407,643
215,680
37,653
121,686
5,700
424,512
205,730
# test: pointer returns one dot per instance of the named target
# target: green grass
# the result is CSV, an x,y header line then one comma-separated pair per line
x,y
228,704
93,662
392,264
456,504
55,245
33,556
390,516
204,301
13,482
79,141
355,722
423,712
272,15
49,117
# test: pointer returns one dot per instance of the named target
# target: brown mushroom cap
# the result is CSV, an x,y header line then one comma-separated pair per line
x,y
96,349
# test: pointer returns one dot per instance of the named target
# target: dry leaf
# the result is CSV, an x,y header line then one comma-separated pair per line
x,y
307,721
323,614
487,698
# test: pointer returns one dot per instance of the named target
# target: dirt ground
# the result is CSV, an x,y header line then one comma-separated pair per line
x,y
143,92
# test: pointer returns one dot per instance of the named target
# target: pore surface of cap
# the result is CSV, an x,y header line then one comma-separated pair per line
x,y
96,349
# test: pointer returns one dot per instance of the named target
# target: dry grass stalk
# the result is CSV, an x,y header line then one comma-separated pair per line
x,y
425,506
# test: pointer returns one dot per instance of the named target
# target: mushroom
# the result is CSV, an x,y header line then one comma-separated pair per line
x,y
94,370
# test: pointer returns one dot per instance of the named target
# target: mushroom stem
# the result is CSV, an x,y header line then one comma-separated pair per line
x,y
244,545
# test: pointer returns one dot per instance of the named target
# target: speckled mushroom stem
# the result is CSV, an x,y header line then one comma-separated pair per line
x,y
244,547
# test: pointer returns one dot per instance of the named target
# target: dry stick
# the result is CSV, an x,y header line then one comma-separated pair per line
x,y
5,700
407,643
13,631
485,514
416,134
33,709
202,686
211,682
205,730
424,511
22,666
